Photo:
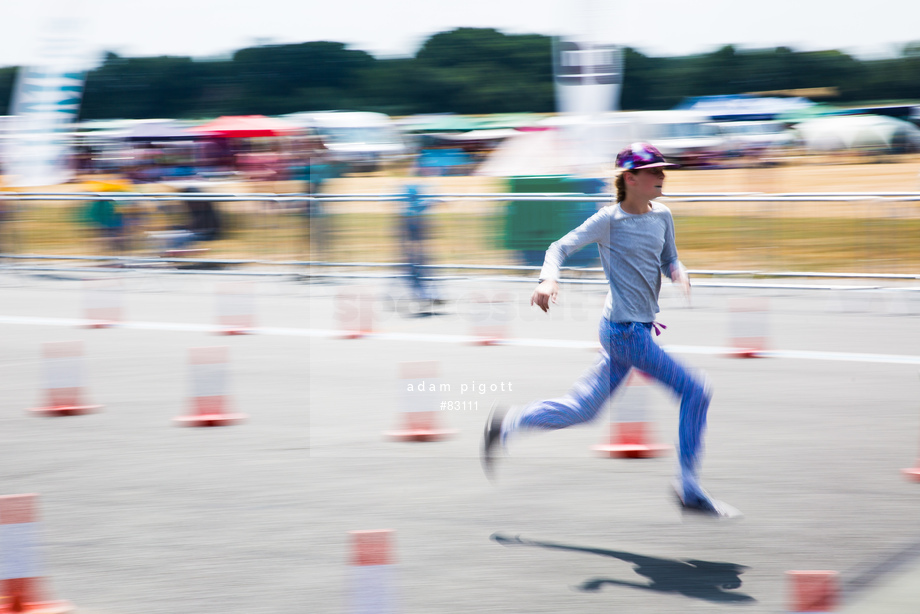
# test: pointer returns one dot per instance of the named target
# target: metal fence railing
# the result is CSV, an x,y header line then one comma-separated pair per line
x,y
838,234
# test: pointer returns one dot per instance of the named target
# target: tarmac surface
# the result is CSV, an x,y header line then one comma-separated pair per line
x,y
139,516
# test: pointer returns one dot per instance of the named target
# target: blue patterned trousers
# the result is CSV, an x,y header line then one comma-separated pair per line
x,y
625,345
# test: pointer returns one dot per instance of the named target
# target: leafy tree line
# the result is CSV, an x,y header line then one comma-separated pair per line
x,y
467,70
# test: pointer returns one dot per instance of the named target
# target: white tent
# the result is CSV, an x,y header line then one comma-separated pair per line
x,y
866,132
538,152
566,145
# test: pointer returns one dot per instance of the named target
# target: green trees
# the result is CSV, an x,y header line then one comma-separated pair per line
x,y
660,83
7,77
472,70
287,78
141,88
467,70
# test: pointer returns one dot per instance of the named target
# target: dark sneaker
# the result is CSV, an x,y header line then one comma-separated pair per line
x,y
700,502
491,438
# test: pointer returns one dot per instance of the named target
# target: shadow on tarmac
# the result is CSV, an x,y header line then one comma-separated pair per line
x,y
704,580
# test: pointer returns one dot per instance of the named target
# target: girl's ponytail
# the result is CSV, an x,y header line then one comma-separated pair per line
x,y
620,184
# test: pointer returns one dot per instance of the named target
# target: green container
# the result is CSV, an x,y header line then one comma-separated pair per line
x,y
531,226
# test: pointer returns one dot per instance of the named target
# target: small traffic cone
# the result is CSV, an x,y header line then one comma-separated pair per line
x,y
64,380
490,318
103,302
209,384
235,308
630,431
748,327
421,398
371,589
354,314
20,589
812,591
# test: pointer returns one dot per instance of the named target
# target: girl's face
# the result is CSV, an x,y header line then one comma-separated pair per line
x,y
648,182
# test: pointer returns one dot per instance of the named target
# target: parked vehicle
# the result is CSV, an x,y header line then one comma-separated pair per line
x,y
876,134
687,137
756,138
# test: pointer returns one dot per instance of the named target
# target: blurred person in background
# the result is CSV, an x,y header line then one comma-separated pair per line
x,y
213,159
202,223
313,168
414,228
260,162
636,240
107,219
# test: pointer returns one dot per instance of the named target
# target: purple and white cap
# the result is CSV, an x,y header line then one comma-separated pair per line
x,y
641,155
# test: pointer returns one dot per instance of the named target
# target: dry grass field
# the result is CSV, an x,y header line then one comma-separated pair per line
x,y
794,174
869,235
828,174
866,235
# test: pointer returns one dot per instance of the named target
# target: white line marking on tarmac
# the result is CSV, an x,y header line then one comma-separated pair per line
x,y
899,359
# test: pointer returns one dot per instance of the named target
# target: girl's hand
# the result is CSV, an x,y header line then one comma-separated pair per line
x,y
680,277
547,290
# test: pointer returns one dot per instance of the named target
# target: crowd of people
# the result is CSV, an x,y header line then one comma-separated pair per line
x,y
250,160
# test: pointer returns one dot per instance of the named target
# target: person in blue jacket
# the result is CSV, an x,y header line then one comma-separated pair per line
x,y
414,240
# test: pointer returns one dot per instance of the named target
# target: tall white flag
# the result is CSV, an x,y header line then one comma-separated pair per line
x,y
588,77
46,100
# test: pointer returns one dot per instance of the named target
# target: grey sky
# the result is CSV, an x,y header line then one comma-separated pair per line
x,y
207,28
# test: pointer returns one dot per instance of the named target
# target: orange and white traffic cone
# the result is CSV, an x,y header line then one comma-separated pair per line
x,y
748,327
371,585
103,302
812,591
64,380
421,397
209,389
354,314
630,430
21,578
235,308
490,318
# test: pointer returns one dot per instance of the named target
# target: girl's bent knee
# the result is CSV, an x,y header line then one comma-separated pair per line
x,y
699,388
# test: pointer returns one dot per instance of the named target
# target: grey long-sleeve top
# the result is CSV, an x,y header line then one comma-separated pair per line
x,y
635,251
